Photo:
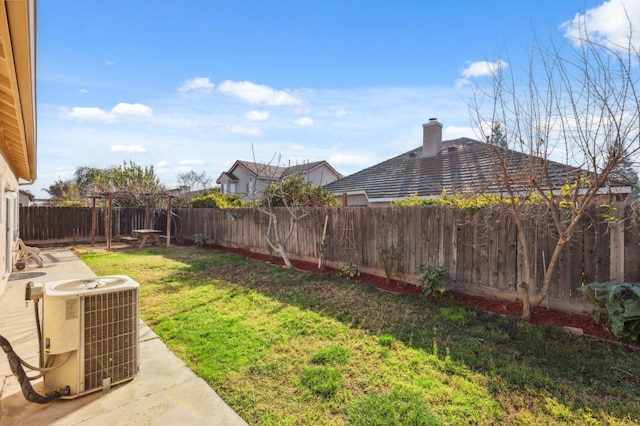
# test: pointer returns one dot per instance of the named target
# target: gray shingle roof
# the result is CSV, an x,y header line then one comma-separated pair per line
x,y
463,165
229,176
304,167
269,172
265,171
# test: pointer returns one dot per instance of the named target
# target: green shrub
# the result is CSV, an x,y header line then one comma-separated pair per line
x,y
217,200
349,270
296,190
622,303
200,240
430,279
390,257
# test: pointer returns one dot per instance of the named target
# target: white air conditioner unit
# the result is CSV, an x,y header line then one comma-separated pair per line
x,y
92,326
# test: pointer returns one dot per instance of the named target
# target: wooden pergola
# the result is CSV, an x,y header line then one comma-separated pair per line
x,y
109,196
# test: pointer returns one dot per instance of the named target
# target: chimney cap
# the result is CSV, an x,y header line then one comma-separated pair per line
x,y
432,122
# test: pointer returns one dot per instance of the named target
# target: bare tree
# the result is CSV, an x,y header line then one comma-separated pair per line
x,y
579,101
194,181
277,193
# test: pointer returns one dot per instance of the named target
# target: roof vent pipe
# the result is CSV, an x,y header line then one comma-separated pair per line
x,y
431,138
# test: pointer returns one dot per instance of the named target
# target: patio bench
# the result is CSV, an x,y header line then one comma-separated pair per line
x,y
129,240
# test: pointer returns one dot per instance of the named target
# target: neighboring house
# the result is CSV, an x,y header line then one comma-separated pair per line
x,y
461,165
17,117
249,179
26,198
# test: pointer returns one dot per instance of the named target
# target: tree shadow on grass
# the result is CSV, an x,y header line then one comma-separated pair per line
x,y
529,361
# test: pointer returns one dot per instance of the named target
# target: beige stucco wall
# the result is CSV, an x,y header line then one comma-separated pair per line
x,y
356,200
241,186
321,176
8,217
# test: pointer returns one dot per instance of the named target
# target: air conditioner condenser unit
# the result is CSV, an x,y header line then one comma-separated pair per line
x,y
91,330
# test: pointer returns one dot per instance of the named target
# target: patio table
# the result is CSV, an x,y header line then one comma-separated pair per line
x,y
152,235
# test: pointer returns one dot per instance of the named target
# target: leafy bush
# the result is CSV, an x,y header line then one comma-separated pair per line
x,y
296,190
430,279
464,201
217,200
459,200
622,302
390,257
200,240
349,270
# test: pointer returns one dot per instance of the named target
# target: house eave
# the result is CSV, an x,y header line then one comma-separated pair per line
x,y
18,139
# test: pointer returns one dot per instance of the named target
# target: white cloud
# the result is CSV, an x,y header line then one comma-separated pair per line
x,y
98,114
255,115
161,165
200,85
132,110
340,112
610,23
479,69
257,94
88,114
128,148
304,121
83,91
455,132
482,68
249,131
296,147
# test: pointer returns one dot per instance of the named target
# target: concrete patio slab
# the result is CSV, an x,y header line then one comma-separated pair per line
x,y
164,392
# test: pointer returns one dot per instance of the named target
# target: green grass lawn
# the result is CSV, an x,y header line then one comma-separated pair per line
x,y
285,347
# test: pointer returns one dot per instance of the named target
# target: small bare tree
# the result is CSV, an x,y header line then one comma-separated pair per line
x,y
581,100
271,190
284,193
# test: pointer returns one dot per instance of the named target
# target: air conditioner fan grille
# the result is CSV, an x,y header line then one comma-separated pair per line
x,y
110,337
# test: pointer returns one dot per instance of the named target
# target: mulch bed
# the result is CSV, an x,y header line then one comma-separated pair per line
x,y
574,322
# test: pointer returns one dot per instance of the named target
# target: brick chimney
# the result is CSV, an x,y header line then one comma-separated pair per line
x,y
431,138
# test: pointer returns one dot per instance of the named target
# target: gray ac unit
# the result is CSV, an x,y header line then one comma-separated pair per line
x,y
92,326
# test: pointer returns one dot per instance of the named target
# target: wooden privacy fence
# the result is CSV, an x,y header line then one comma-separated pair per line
x,y
54,225
478,249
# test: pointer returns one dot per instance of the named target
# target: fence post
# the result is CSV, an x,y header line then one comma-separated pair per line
x,y
616,242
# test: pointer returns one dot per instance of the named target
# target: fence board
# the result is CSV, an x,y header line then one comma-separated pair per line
x,y
631,243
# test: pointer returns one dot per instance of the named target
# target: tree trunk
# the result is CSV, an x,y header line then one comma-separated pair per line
x,y
285,255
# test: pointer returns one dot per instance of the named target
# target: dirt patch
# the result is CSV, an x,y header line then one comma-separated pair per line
x,y
571,322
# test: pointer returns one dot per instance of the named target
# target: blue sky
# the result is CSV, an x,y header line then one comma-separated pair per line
x,y
198,84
